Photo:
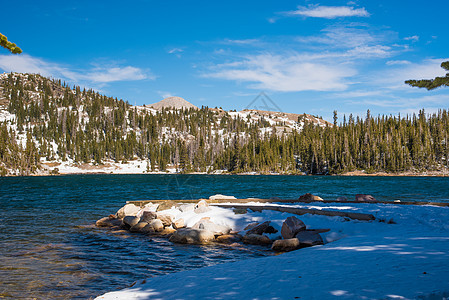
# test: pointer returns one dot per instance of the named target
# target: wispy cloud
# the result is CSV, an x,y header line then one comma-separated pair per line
x,y
287,73
241,42
97,74
175,50
413,38
328,12
397,62
165,94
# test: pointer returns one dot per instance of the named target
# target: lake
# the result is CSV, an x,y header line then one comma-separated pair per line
x,y
49,247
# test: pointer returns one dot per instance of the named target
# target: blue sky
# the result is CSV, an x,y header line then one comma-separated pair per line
x,y
307,56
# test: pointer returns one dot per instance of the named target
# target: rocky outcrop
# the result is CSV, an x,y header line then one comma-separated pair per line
x,y
291,226
309,198
166,219
365,198
192,236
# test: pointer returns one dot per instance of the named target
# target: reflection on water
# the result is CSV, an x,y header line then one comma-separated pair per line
x,y
49,248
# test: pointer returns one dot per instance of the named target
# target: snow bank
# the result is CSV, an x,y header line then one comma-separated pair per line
x,y
365,260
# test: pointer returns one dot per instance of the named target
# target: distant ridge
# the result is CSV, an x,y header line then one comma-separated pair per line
x,y
173,102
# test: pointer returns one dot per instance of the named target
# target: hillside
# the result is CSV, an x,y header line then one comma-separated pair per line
x,y
49,127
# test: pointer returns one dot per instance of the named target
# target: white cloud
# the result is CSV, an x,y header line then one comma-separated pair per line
x,y
397,62
286,73
329,12
27,64
413,38
175,50
241,42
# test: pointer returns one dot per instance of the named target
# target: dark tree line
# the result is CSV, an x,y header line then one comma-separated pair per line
x,y
56,122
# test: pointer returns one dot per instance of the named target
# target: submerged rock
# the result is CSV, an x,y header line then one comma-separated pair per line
x,y
364,197
309,197
291,226
108,222
342,199
192,236
286,245
256,239
128,210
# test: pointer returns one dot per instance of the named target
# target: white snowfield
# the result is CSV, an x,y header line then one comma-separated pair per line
x,y
362,260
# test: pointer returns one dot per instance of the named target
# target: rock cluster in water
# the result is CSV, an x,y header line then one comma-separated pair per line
x,y
153,219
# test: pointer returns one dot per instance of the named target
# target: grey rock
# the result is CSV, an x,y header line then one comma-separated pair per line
x,y
167,204
179,223
139,227
309,238
166,219
291,226
212,227
130,221
186,207
127,210
147,216
286,245
308,197
108,222
256,239
364,197
192,236
202,209
342,198
259,229
157,225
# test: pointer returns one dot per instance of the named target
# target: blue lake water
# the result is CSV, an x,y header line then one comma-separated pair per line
x,y
49,248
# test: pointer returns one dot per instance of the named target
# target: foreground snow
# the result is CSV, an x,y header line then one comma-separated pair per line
x,y
363,260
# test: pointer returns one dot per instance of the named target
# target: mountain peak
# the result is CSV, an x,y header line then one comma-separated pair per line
x,y
173,102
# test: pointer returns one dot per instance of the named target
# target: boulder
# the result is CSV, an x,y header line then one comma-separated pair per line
x,y
186,207
130,221
154,226
139,227
256,239
259,229
148,207
167,231
319,230
212,227
192,236
167,204
147,216
364,197
166,219
201,207
240,211
108,222
128,210
228,238
342,199
179,223
220,197
309,238
309,198
286,245
251,225
291,226
270,229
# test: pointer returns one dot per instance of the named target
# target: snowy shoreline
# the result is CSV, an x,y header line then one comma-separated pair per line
x,y
362,260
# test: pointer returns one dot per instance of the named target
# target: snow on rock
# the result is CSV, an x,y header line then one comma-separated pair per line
x,y
360,260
